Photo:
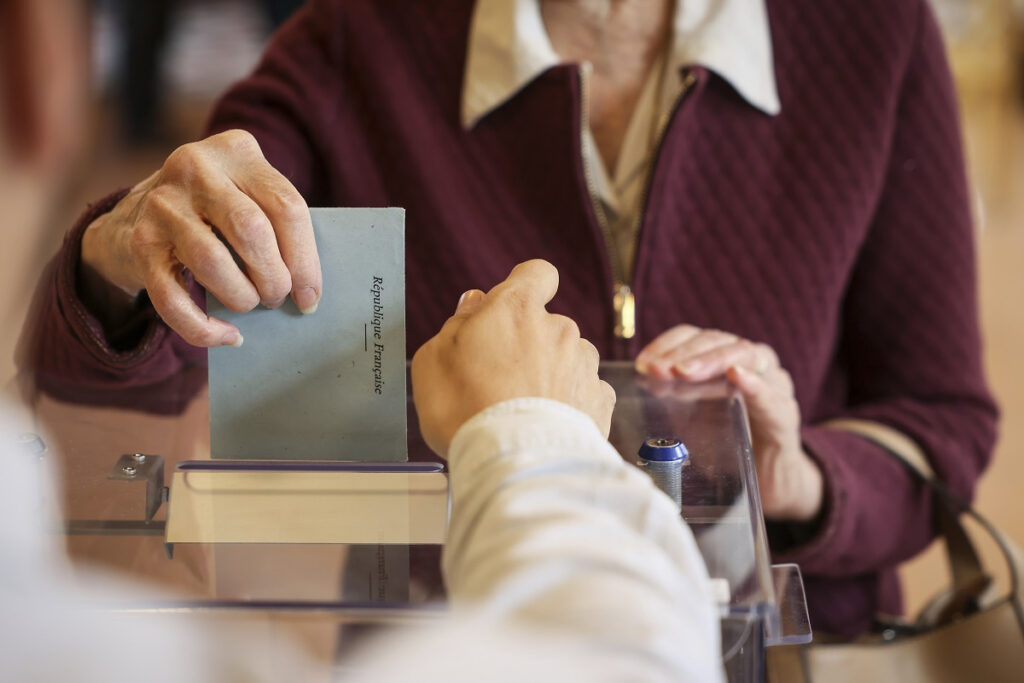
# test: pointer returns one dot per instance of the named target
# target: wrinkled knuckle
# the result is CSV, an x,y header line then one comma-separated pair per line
x,y
184,162
159,203
240,142
206,263
198,258
243,303
566,328
139,244
289,208
276,288
248,225
516,301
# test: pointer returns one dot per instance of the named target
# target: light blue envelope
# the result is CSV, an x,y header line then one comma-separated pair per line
x,y
326,386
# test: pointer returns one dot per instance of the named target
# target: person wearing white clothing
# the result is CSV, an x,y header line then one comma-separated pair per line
x,y
561,555
563,561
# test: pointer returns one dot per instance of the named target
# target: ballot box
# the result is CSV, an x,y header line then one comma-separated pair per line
x,y
324,552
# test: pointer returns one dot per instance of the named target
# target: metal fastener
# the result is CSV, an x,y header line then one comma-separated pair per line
x,y
662,459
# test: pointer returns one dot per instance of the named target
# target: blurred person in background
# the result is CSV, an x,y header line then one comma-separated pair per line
x,y
144,28
50,627
594,574
737,188
43,82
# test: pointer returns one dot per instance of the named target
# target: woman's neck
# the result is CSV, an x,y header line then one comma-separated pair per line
x,y
622,40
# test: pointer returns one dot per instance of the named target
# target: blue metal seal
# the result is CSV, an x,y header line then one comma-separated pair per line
x,y
663,450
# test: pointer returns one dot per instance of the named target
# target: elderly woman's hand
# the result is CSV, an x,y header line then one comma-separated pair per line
x,y
790,481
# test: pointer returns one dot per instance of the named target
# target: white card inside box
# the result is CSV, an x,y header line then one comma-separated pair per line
x,y
308,507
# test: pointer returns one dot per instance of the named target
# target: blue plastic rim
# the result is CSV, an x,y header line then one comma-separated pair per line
x,y
660,449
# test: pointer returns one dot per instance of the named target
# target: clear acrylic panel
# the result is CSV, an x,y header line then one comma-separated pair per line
x,y
386,567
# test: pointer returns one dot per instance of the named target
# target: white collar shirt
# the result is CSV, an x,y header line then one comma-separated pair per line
x,y
509,47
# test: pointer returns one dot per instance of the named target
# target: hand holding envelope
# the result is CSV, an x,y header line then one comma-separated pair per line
x,y
212,201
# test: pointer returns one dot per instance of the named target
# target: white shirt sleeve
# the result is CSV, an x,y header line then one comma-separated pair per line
x,y
551,528
563,563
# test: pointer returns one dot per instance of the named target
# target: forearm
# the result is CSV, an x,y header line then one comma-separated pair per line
x,y
94,336
76,353
551,526
877,514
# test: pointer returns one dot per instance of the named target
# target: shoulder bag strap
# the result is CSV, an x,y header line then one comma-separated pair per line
x,y
969,578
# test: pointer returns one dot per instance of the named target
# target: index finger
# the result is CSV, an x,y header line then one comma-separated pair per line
x,y
532,282
172,302
665,342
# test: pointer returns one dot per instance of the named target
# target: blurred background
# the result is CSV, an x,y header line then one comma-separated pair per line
x,y
986,49
154,67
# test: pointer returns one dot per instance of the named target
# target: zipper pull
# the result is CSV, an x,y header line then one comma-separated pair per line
x,y
625,312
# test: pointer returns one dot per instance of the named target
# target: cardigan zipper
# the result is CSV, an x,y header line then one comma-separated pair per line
x,y
622,294
623,300
689,78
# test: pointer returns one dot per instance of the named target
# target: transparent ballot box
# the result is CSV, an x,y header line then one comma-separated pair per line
x,y
328,551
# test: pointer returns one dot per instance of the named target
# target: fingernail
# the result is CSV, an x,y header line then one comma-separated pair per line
x,y
468,297
232,339
642,367
306,299
688,368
